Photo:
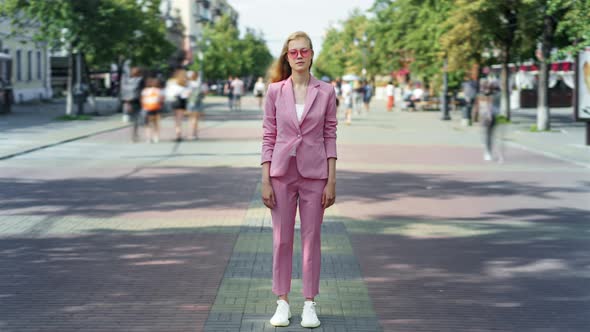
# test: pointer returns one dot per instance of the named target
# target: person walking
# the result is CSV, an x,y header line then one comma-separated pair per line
x,y
367,95
298,169
348,98
259,89
237,87
357,96
469,88
176,95
227,90
152,99
131,88
389,94
194,103
489,110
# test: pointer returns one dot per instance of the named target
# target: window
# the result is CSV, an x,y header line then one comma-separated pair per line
x,y
39,66
19,73
30,65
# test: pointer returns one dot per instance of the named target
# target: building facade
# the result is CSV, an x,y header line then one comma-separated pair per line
x,y
195,15
31,70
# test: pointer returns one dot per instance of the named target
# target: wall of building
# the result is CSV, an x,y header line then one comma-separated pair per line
x,y
30,65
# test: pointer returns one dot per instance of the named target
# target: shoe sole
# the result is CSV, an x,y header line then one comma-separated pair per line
x,y
310,326
282,324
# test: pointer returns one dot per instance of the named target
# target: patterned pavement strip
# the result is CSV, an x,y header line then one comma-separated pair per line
x,y
244,301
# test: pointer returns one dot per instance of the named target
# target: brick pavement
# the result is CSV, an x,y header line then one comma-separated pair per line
x,y
104,235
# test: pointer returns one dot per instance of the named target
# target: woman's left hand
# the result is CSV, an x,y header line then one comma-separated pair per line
x,y
329,195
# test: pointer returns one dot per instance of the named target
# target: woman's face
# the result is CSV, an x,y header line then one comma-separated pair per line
x,y
299,54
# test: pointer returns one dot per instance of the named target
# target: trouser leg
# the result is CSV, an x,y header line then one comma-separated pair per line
x,y
283,226
311,213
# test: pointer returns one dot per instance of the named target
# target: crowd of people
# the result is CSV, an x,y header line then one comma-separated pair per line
x,y
145,98
355,95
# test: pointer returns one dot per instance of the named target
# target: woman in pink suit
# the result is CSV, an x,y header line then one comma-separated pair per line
x,y
298,169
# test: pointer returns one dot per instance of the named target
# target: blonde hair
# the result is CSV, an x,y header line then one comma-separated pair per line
x,y
281,69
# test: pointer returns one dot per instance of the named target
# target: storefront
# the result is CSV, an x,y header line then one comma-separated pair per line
x,y
561,84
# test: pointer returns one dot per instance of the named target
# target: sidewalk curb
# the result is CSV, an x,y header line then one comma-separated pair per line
x,y
76,138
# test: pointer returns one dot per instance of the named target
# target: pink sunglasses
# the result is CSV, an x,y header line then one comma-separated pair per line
x,y
294,53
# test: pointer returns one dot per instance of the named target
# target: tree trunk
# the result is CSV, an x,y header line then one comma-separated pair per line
x,y
69,97
542,97
543,111
506,89
91,90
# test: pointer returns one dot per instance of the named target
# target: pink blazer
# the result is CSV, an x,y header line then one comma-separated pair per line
x,y
314,138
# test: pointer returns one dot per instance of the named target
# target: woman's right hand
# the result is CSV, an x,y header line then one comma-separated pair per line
x,y
268,195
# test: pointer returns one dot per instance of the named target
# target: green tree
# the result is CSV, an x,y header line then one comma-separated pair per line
x,y
348,50
560,23
330,61
226,54
105,31
256,57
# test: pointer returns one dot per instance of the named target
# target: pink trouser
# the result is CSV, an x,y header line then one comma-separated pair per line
x,y
288,189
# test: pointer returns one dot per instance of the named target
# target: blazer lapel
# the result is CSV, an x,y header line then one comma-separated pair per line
x,y
312,92
289,102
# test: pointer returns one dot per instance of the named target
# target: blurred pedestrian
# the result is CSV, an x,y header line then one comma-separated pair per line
x,y
357,96
131,88
338,94
298,168
367,95
237,86
176,95
228,91
489,111
469,88
152,100
195,103
348,101
389,93
259,89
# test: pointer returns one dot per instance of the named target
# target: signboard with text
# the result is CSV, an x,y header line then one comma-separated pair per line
x,y
582,94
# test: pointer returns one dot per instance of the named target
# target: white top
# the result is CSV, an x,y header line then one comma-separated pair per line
x,y
259,87
237,87
174,90
299,108
389,90
347,93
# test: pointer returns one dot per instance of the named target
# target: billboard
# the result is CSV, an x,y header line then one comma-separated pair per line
x,y
582,101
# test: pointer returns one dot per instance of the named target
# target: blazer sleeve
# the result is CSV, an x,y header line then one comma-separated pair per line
x,y
269,126
330,124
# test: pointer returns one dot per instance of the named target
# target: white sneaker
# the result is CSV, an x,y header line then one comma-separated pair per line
x,y
309,318
487,156
125,118
282,315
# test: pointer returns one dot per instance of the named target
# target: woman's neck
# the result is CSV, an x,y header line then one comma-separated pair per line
x,y
300,78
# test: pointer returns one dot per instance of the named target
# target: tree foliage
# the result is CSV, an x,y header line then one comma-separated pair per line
x,y
225,53
347,50
106,31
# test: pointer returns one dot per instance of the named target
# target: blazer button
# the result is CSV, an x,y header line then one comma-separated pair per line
x,y
298,135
